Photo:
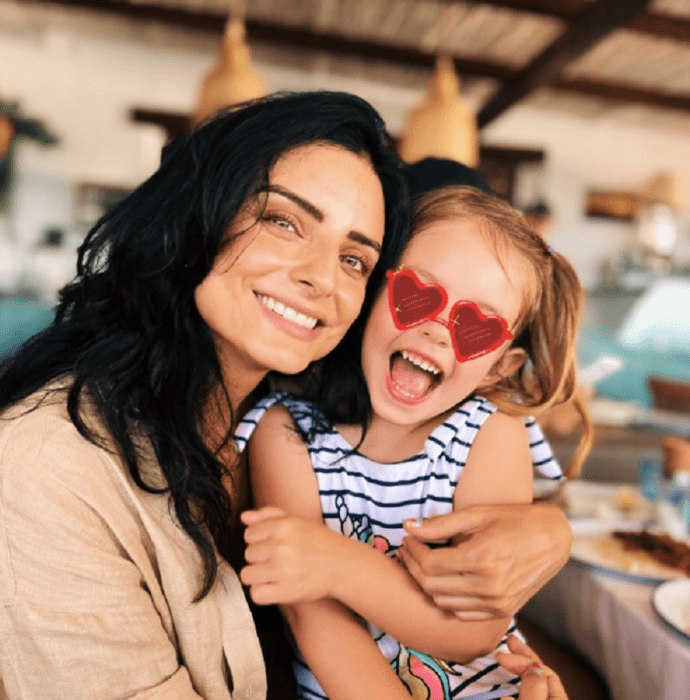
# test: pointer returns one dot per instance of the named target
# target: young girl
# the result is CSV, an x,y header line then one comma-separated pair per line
x,y
475,331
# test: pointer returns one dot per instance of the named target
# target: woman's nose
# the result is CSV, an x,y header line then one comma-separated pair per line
x,y
317,270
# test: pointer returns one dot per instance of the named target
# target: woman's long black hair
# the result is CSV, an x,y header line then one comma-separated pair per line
x,y
127,332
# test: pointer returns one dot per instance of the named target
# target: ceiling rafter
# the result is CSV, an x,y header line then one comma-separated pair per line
x,y
623,94
567,10
600,19
339,45
647,22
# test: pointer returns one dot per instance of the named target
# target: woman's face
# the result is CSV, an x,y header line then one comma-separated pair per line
x,y
286,290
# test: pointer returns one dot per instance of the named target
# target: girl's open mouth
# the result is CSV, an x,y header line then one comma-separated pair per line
x,y
412,378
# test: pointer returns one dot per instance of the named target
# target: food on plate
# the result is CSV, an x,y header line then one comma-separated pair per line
x,y
627,500
660,547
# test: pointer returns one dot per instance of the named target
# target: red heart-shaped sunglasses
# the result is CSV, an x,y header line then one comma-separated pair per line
x,y
472,333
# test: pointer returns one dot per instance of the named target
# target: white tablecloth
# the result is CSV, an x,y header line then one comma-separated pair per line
x,y
612,623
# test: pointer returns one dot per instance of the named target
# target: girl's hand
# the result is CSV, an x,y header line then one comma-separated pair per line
x,y
289,559
501,556
537,682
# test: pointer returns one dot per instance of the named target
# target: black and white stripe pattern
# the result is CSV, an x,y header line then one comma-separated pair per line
x,y
369,501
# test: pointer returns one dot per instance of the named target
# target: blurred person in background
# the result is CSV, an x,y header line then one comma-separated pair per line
x,y
540,218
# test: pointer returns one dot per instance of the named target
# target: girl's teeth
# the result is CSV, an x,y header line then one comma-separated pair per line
x,y
287,312
426,366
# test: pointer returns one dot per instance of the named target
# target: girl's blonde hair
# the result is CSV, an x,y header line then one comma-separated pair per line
x,y
547,325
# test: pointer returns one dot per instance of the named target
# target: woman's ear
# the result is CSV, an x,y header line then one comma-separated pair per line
x,y
509,363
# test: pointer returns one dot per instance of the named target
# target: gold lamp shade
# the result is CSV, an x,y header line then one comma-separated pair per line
x,y
7,134
234,79
443,126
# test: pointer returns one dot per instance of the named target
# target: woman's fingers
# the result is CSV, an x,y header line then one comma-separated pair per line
x,y
500,554
473,591
442,527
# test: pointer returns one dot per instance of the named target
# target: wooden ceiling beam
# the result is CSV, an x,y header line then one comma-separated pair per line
x,y
655,23
305,40
567,10
624,94
663,26
600,18
302,39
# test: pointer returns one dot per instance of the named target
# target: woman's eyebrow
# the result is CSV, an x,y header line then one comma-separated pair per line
x,y
317,214
308,207
364,240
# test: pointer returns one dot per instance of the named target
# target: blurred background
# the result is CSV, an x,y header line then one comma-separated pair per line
x,y
577,111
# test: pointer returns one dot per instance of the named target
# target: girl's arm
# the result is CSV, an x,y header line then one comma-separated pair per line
x,y
341,653
337,648
290,560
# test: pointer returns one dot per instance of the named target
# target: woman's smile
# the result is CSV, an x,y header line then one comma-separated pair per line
x,y
288,316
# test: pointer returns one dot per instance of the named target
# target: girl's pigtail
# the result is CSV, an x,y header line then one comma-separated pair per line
x,y
554,332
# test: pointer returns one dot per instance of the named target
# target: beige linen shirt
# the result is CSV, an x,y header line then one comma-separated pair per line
x,y
97,581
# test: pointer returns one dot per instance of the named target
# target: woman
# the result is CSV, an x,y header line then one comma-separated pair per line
x,y
249,251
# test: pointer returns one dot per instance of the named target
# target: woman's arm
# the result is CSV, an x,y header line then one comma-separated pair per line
x,y
290,560
79,613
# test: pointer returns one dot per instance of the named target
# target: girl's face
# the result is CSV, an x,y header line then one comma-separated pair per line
x,y
284,292
458,256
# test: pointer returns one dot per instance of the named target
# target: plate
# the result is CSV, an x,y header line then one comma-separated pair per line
x,y
604,501
671,601
606,553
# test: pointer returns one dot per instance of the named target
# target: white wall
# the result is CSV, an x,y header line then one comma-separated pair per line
x,y
584,154
84,86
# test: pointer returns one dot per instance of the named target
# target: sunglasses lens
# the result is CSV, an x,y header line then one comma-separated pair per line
x,y
411,301
474,334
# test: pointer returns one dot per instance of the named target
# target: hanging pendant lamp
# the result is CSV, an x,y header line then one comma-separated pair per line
x,y
234,79
443,126
7,133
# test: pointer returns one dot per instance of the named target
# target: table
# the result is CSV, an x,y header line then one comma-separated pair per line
x,y
611,622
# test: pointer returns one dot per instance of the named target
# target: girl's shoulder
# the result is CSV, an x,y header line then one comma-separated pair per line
x,y
461,427
305,415
454,437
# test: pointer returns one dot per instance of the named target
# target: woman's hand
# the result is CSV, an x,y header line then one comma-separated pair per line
x,y
537,682
288,558
501,556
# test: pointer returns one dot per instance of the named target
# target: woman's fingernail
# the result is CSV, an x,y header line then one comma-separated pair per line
x,y
536,669
413,522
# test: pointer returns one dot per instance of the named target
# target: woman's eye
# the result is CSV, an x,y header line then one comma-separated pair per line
x,y
356,263
281,222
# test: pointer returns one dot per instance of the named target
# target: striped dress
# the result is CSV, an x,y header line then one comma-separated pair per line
x,y
369,501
